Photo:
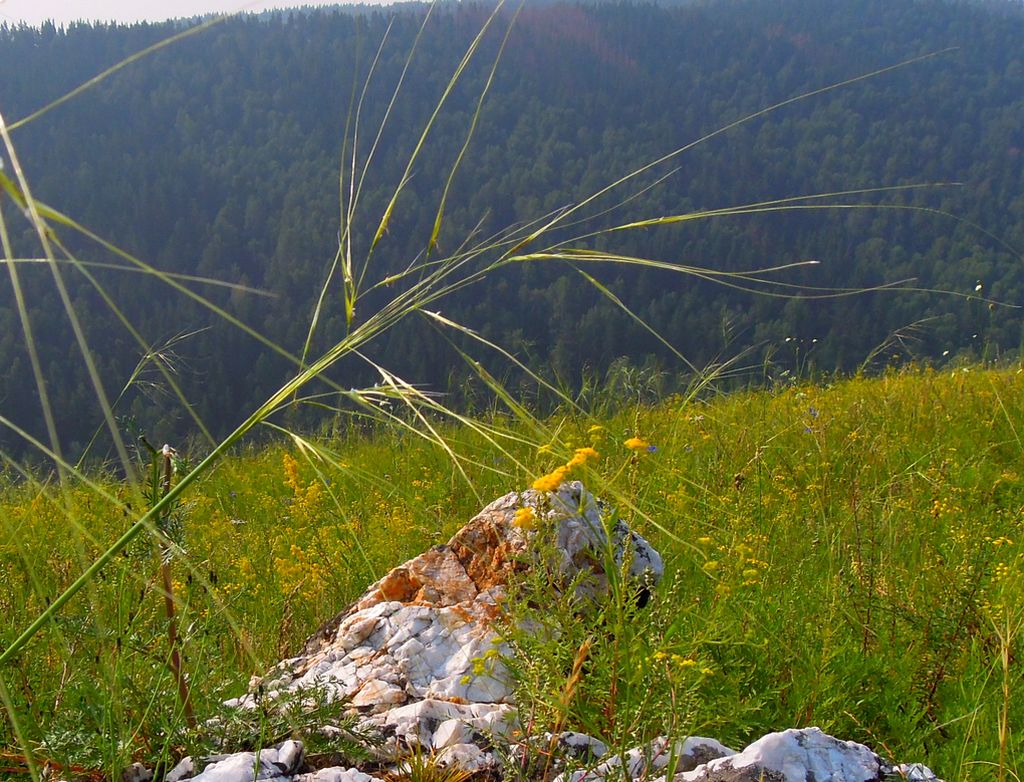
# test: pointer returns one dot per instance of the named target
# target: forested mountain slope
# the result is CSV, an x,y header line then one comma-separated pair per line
x,y
219,156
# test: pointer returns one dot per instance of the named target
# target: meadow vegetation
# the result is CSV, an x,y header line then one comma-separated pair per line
x,y
844,554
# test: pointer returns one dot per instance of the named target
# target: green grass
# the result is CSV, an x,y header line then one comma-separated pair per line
x,y
844,555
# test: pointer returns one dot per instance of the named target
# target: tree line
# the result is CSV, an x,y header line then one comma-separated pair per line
x,y
218,156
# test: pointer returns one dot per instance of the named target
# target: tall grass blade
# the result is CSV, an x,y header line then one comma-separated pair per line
x,y
407,175
432,244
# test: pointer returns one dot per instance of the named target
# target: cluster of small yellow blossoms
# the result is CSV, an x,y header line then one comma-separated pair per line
x,y
307,499
299,575
482,665
780,480
943,507
291,473
556,477
680,662
1005,580
637,444
739,566
525,518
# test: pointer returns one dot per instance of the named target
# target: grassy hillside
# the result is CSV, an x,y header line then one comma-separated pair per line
x,y
844,554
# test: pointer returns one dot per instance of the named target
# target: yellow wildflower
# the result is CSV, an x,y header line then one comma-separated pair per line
x,y
581,456
552,480
711,566
291,473
637,444
525,518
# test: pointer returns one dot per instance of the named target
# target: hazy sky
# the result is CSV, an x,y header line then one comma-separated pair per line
x,y
35,12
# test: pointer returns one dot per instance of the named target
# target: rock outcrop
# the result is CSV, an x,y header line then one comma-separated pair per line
x,y
417,655
418,661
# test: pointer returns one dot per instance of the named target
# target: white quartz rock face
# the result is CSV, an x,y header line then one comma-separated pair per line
x,y
424,633
337,774
806,755
915,772
642,762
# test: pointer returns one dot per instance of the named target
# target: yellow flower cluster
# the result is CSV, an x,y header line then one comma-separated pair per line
x,y
556,477
637,444
581,456
291,473
943,507
679,662
525,518
737,564
299,575
552,480
308,499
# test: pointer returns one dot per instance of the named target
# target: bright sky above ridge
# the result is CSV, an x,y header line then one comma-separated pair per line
x,y
35,12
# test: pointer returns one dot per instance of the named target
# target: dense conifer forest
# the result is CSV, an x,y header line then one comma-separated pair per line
x,y
218,156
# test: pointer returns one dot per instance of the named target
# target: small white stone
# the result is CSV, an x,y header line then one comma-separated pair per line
x,y
466,756
376,692
580,745
185,769
336,774
290,755
451,732
239,768
916,772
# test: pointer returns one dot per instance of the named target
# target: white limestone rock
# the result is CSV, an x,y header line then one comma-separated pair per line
x,y
579,746
468,757
697,750
424,633
290,755
273,764
805,755
337,774
185,769
643,762
915,772
243,767
451,732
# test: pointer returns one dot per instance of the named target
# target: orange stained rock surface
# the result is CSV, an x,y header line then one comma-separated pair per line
x,y
481,555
